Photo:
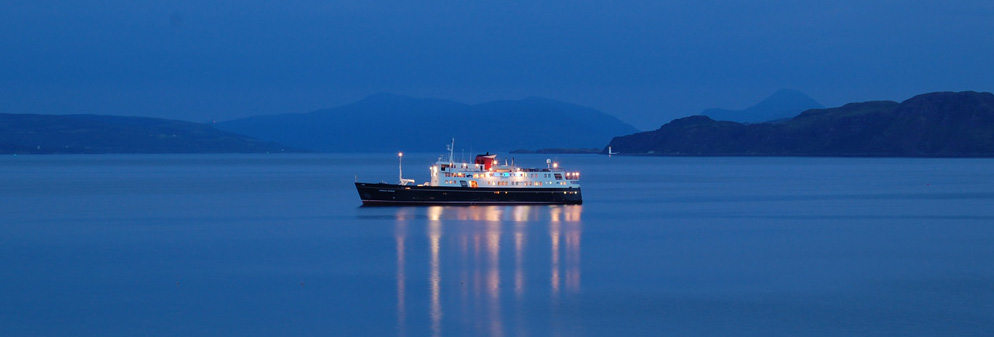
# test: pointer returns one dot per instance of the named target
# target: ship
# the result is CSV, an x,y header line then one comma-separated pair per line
x,y
483,182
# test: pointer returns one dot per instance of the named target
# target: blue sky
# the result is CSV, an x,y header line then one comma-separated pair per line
x,y
645,62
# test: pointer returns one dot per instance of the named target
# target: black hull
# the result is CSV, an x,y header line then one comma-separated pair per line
x,y
391,194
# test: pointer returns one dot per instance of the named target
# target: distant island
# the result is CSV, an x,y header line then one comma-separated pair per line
x,y
388,123
941,124
78,134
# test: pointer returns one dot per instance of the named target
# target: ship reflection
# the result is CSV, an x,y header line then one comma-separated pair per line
x,y
468,285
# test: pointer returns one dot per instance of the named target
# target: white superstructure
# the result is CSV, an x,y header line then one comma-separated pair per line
x,y
485,172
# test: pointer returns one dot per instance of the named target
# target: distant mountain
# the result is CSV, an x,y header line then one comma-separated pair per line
x,y
783,104
386,123
42,134
943,124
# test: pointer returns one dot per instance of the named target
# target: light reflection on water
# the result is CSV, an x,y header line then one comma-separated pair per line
x,y
477,254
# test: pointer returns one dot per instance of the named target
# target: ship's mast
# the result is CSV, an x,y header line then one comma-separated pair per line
x,y
451,148
400,170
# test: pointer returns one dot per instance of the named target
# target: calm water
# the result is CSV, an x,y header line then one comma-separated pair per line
x,y
265,245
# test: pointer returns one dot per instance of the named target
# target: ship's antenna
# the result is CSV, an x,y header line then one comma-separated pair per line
x,y
451,148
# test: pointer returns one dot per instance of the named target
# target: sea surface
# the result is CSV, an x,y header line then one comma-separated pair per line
x,y
277,245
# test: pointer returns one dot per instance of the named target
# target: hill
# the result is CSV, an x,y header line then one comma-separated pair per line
x,y
943,124
783,104
45,134
387,123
